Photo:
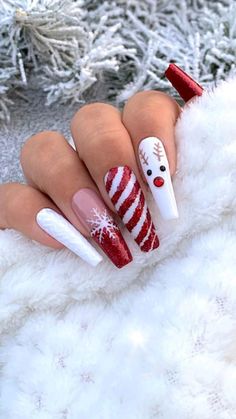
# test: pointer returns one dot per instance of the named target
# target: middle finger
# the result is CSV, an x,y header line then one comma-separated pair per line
x,y
104,145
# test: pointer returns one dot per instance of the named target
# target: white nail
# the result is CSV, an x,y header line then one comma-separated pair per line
x,y
153,158
60,229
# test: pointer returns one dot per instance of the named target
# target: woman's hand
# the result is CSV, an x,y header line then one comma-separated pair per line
x,y
73,195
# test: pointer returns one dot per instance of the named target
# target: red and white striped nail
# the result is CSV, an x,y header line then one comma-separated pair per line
x,y
127,197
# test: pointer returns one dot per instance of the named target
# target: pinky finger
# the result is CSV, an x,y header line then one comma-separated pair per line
x,y
29,211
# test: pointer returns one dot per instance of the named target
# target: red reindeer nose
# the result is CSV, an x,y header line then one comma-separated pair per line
x,y
158,181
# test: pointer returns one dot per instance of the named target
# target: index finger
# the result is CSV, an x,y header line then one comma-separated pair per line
x,y
150,118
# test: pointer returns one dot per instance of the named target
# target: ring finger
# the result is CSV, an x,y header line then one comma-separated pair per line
x,y
104,145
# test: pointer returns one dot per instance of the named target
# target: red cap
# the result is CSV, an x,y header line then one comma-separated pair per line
x,y
183,83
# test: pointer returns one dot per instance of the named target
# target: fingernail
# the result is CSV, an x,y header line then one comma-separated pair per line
x,y
183,83
97,220
63,231
127,197
155,166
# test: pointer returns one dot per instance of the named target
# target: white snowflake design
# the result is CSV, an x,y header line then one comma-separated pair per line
x,y
102,223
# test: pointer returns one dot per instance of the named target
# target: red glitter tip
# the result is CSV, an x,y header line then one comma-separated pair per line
x,y
183,83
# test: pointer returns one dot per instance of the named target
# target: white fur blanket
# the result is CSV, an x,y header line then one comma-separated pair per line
x,y
156,339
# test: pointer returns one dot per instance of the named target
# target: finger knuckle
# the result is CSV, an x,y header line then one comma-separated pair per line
x,y
56,168
93,117
146,104
100,145
41,145
149,97
17,196
93,110
98,125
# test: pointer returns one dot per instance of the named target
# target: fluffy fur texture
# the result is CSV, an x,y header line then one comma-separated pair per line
x,y
153,340
68,47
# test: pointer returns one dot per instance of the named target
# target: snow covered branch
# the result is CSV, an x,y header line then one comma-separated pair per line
x,y
68,46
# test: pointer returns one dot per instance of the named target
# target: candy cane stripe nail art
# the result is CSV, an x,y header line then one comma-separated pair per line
x,y
138,213
145,228
155,167
128,199
131,188
128,195
147,242
124,180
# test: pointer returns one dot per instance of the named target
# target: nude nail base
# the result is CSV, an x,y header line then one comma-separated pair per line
x,y
97,220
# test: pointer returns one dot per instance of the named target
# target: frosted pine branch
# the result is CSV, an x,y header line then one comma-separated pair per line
x,y
68,47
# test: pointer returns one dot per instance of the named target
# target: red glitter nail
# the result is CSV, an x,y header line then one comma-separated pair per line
x,y
183,83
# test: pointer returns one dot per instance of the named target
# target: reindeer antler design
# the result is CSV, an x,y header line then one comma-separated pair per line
x,y
158,151
143,156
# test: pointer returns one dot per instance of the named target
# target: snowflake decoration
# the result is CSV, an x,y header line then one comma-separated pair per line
x,y
102,224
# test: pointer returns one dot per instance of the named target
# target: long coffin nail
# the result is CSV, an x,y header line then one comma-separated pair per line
x,y
63,231
97,220
155,166
183,83
127,197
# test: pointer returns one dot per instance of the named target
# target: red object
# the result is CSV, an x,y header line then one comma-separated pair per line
x,y
183,83
128,199
158,181
97,219
113,245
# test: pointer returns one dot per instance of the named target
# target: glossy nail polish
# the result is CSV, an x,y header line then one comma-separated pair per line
x,y
98,221
183,83
127,197
63,231
155,167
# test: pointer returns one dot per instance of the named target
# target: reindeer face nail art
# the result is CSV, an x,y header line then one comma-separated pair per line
x,y
156,170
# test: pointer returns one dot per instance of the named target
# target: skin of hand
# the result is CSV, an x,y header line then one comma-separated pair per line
x,y
104,138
